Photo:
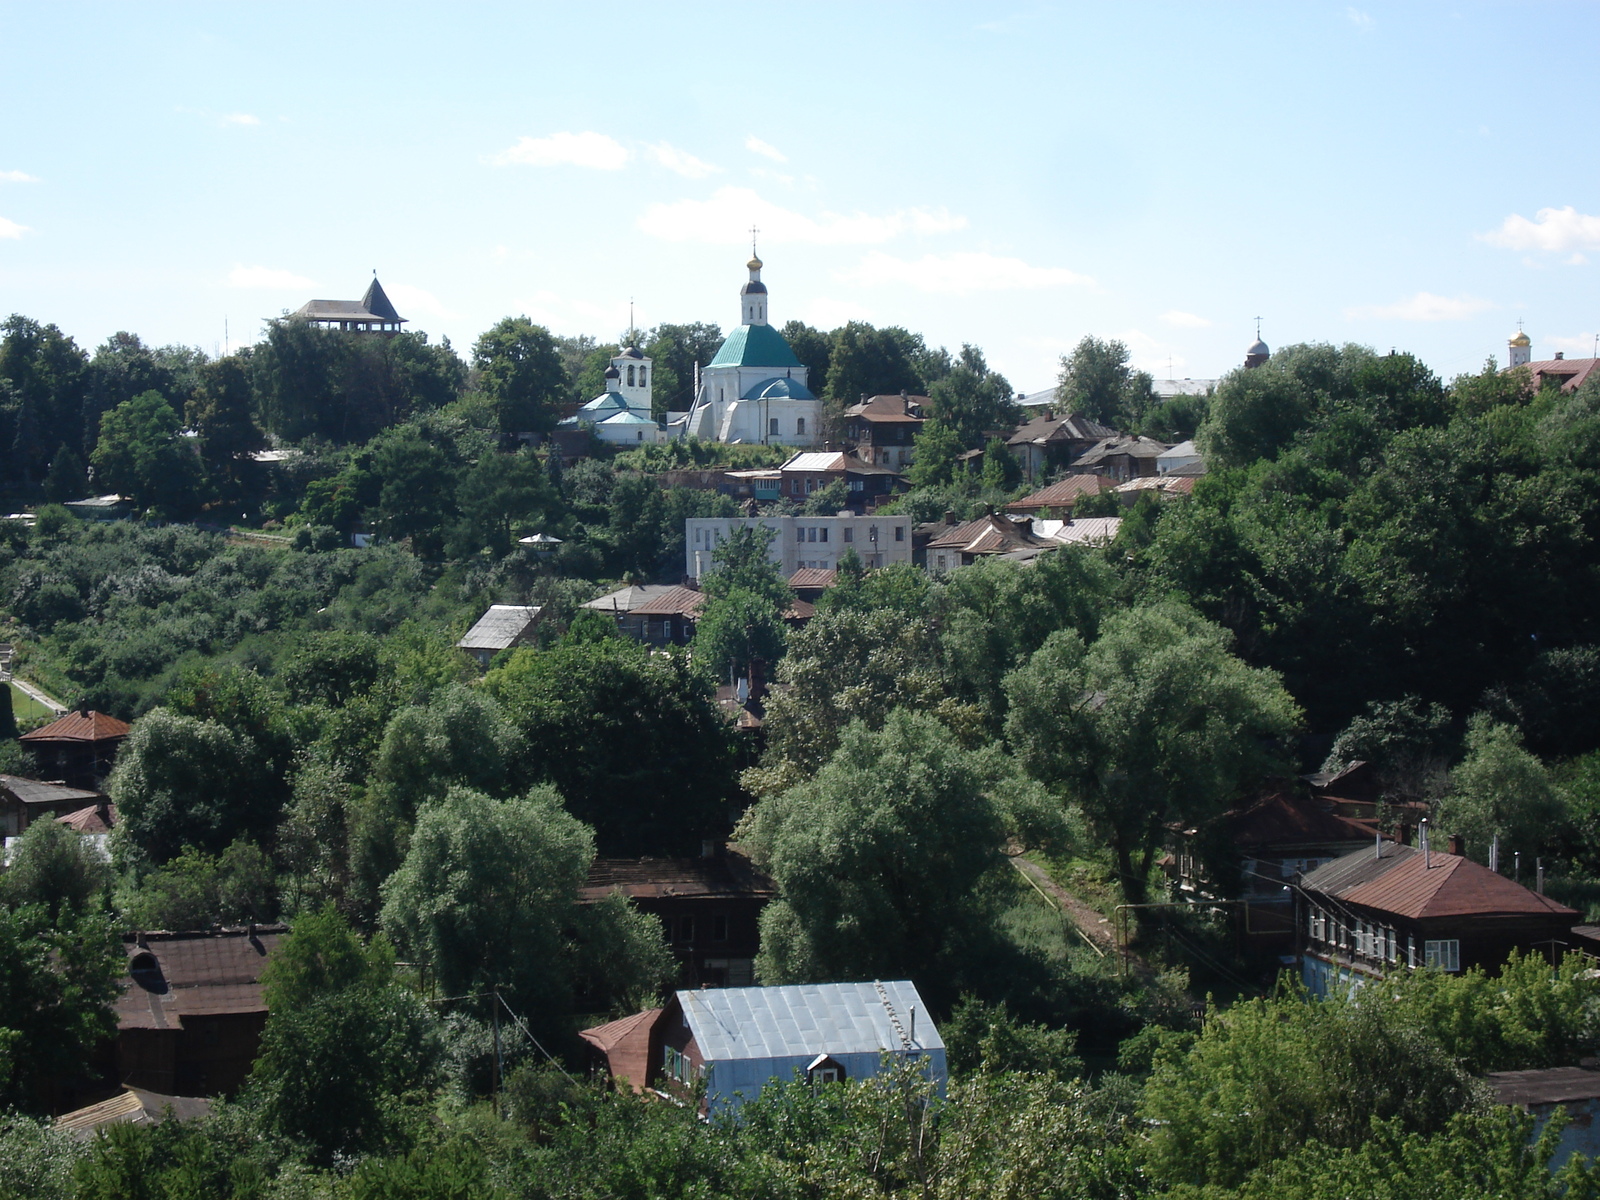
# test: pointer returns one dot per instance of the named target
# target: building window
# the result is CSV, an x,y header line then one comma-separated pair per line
x,y
644,375
799,533
630,376
824,536
675,1064
719,928
772,426
799,424
849,535
899,533
811,534
1394,947
1444,954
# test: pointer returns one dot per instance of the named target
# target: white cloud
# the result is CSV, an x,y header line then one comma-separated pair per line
x,y
958,273
1552,229
1361,20
765,149
1424,306
681,161
17,177
589,149
776,176
270,278
239,119
726,217
10,229
1184,320
1581,346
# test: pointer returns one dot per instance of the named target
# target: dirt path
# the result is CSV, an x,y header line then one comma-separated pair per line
x,y
1094,928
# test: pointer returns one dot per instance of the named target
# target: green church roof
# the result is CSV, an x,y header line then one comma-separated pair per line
x,y
755,346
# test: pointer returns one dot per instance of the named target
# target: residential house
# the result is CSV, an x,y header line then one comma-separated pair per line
x,y
1164,486
803,541
656,614
989,535
1183,454
808,583
1121,457
190,1016
132,1106
735,1041
110,507
1057,500
811,471
1051,440
1568,374
501,628
881,429
24,801
78,748
1080,531
709,908
1382,908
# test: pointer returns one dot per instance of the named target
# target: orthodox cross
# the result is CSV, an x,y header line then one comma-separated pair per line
x,y
753,232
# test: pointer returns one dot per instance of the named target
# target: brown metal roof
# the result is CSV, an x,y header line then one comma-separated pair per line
x,y
80,727
883,409
1287,819
175,975
1065,428
731,874
626,1045
1063,493
1552,1085
674,602
96,818
1403,882
1569,372
812,577
992,534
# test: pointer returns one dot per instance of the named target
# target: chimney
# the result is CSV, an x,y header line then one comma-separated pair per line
x,y
1049,414
1560,354
1427,853
905,403
949,516
1405,833
865,397
1455,845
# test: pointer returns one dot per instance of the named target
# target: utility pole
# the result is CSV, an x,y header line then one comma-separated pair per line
x,y
495,1020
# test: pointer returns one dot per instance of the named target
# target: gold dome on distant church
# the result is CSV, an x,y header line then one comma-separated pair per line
x,y
754,264
1521,339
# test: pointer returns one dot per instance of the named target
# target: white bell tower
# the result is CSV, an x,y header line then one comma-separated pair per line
x,y
1521,348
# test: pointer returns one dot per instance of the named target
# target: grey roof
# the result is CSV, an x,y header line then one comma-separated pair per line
x,y
629,598
1167,388
42,791
377,303
374,306
499,627
1363,866
812,1018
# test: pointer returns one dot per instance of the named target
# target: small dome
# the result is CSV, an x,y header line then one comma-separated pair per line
x,y
754,287
613,373
1521,339
1259,347
754,264
631,352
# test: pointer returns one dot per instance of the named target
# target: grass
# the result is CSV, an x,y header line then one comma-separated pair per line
x,y
25,706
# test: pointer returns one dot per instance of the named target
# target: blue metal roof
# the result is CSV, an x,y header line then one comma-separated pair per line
x,y
807,1019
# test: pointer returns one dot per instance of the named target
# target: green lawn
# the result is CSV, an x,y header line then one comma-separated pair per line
x,y
25,706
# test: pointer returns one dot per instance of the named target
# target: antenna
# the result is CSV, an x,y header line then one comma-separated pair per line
x,y
1427,853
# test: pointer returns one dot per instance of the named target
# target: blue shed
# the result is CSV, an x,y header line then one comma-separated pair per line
x,y
739,1039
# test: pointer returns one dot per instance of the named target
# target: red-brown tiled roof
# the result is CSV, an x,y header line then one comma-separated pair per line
x,y
1063,493
626,1044
80,727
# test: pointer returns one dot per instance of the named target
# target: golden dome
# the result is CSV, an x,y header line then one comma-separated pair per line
x,y
754,264
1521,339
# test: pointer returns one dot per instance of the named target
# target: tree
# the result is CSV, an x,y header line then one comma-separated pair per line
x,y
54,866
630,739
1156,722
487,896
742,563
936,451
142,452
865,361
461,736
330,668
519,367
222,414
67,480
180,781
347,1054
1500,789
1001,472
736,628
196,890
674,350
878,858
501,495
58,981
417,493
44,404
1097,381
972,399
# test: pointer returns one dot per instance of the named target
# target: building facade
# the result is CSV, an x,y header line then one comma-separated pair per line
x,y
622,414
798,542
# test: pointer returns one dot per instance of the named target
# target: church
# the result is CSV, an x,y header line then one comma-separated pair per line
x,y
755,388
620,415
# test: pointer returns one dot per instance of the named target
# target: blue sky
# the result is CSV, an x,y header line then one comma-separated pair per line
x,y
1419,176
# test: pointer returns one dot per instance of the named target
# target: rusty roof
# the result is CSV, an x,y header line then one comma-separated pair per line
x,y
96,818
674,602
87,726
177,975
1287,819
626,1044
731,874
1570,371
1063,492
1552,1085
1068,427
992,534
812,577
1134,447
888,408
1404,882
41,791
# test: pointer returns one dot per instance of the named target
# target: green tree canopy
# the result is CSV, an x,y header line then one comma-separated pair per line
x,y
735,629
141,451
1500,789
973,400
1097,381
519,366
56,867
1156,722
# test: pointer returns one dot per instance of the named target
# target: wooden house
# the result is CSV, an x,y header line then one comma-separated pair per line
x,y
78,748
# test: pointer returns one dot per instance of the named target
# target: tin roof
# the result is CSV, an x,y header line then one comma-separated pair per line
x,y
1402,881
87,726
1065,427
39,791
673,602
134,1106
1287,819
812,577
1113,447
176,975
992,534
626,1045
1083,531
755,346
1570,373
96,818
832,460
811,1018
889,408
731,874
1063,492
498,628
1551,1085
628,599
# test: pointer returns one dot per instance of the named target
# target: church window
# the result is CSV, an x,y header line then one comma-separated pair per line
x,y
719,395
772,426
630,374
644,376
799,424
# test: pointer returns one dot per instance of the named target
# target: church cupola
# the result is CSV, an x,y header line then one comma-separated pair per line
x,y
613,378
753,296
1258,352
1521,348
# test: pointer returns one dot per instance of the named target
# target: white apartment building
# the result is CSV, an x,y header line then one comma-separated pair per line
x,y
803,541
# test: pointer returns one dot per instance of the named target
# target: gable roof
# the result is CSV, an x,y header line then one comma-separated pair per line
x,y
1288,819
992,534
1112,447
755,346
673,602
87,726
40,791
96,818
1570,373
889,408
1048,427
629,599
807,1019
374,306
812,577
134,1106
1063,493
498,628
1402,881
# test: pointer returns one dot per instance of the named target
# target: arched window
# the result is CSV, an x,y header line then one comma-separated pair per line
x,y
630,374
643,374
799,424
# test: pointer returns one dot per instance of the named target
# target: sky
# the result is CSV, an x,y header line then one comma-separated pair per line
x,y
1414,176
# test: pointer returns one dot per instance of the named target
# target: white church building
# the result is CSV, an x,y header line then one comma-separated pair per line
x,y
621,414
755,388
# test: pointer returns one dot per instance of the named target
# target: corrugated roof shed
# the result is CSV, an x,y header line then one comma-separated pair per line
x,y
783,1022
629,599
